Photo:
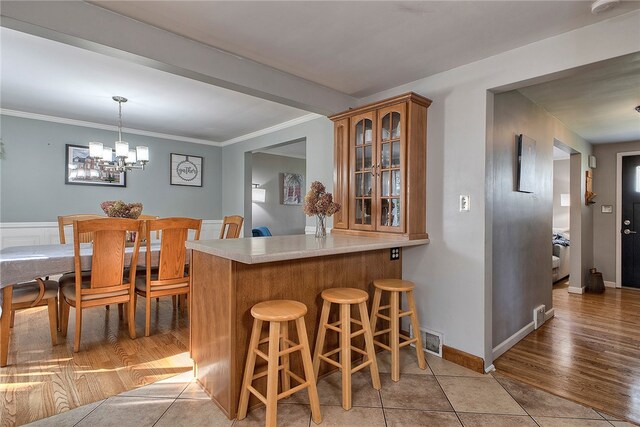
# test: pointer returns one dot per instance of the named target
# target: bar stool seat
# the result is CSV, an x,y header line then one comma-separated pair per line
x,y
278,313
396,340
346,297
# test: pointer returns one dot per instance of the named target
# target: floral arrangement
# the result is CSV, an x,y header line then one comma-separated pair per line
x,y
120,209
320,203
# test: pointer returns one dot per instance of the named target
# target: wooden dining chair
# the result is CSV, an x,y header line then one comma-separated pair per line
x,y
171,278
67,221
37,294
143,218
107,284
231,226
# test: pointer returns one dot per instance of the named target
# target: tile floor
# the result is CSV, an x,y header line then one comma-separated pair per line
x,y
444,394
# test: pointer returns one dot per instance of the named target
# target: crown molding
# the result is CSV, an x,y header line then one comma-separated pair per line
x,y
280,126
73,122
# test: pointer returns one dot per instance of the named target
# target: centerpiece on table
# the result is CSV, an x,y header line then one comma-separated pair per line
x,y
320,203
120,209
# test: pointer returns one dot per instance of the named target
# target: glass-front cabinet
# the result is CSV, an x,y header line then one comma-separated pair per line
x,y
379,182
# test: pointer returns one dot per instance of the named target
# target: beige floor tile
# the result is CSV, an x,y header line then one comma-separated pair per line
x,y
330,391
194,391
542,404
126,411
193,413
335,416
169,390
414,392
479,395
490,420
439,366
289,415
408,362
570,422
68,418
412,418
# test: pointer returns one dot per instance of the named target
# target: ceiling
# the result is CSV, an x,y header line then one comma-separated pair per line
x,y
596,102
46,77
356,48
360,48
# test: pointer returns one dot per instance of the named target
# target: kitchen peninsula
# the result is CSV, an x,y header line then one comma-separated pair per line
x,y
230,276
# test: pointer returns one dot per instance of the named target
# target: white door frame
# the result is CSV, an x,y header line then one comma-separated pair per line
x,y
619,214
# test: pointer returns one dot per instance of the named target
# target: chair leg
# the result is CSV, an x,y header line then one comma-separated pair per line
x,y
13,318
316,415
76,339
64,317
394,335
174,299
5,319
322,332
345,354
272,375
286,366
147,316
52,305
415,325
368,340
374,309
120,311
248,369
131,313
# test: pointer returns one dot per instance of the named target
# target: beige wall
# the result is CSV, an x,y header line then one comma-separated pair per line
x,y
604,225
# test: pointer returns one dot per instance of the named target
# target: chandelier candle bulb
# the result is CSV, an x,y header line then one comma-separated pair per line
x,y
142,153
95,150
131,157
107,154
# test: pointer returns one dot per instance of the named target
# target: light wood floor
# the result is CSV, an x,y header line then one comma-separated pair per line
x,y
42,380
589,352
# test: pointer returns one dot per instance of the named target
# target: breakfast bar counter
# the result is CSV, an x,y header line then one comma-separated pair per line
x,y
229,276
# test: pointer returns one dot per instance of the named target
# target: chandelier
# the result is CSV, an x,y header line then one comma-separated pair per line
x,y
126,159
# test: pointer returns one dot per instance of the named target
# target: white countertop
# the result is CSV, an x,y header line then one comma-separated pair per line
x,y
255,250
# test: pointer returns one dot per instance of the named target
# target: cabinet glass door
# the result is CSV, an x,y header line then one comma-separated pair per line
x,y
363,156
389,171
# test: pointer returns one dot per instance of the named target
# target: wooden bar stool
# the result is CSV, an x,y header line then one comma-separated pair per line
x,y
396,286
346,297
278,313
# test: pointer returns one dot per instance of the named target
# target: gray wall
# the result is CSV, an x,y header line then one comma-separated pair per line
x,y
560,186
267,172
32,175
236,163
522,221
604,225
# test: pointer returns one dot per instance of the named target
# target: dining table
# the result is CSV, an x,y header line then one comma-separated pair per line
x,y
22,264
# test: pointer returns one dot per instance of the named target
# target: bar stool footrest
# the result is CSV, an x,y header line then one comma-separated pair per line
x,y
362,365
257,394
330,361
292,390
379,344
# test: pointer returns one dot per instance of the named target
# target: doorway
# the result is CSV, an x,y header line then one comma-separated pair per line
x,y
628,220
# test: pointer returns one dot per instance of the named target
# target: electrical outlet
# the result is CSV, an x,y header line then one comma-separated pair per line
x,y
465,203
394,254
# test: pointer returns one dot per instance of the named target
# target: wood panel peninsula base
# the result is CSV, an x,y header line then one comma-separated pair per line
x,y
230,276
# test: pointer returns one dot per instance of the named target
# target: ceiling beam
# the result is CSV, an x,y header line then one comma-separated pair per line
x,y
96,29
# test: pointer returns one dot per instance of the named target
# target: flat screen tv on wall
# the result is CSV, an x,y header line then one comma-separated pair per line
x,y
526,164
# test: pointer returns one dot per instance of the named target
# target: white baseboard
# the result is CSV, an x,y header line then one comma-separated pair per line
x,y
505,345
46,233
575,290
609,284
489,368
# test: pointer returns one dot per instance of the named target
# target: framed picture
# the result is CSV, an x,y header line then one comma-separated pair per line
x,y
80,169
186,170
292,188
526,164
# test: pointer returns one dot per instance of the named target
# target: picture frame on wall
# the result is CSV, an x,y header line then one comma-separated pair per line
x,y
81,169
526,182
292,188
186,170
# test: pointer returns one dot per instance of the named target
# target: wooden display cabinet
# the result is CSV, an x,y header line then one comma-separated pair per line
x,y
380,168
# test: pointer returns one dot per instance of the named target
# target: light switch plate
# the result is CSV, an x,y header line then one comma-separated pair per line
x,y
465,201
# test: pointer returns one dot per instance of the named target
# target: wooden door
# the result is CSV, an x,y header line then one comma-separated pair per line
x,y
362,188
390,169
630,221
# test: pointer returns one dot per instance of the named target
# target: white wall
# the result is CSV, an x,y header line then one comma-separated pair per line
x,y
560,186
267,172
